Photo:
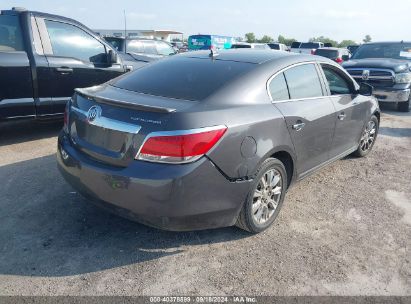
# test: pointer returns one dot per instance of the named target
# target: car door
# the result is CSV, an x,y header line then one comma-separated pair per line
x,y
76,59
350,110
308,113
16,93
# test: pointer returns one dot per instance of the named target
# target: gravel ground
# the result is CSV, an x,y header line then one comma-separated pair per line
x,y
343,231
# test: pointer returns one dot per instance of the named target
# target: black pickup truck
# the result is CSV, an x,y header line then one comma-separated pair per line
x,y
43,58
387,67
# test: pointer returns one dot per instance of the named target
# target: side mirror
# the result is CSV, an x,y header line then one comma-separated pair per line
x,y
345,57
111,57
365,89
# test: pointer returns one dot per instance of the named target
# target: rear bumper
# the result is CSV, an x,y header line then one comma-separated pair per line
x,y
172,197
391,95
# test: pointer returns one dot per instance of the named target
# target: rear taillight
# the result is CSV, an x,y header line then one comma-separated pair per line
x,y
313,52
339,60
180,146
66,116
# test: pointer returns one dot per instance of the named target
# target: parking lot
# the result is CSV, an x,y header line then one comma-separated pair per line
x,y
343,231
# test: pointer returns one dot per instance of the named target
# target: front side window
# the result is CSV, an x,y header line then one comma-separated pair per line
x,y
150,47
164,48
278,88
337,83
303,81
10,34
135,46
70,41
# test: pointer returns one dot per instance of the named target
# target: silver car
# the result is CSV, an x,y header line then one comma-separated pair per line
x,y
204,140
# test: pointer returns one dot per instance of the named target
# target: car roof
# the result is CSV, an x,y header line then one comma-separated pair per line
x,y
332,48
248,56
387,42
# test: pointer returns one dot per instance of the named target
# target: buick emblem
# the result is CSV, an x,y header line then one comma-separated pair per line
x,y
93,113
365,74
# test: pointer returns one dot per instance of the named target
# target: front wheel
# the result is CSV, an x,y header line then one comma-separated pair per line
x,y
368,137
265,197
404,106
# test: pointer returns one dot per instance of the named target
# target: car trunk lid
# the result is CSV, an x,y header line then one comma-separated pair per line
x,y
110,124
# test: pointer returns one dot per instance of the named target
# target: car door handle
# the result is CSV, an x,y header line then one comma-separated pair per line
x,y
64,70
298,126
341,116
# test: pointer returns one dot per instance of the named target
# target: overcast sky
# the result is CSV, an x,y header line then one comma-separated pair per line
x,y
300,19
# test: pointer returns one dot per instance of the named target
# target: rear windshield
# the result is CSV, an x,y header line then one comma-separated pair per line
x,y
183,78
295,45
310,45
332,54
384,50
241,46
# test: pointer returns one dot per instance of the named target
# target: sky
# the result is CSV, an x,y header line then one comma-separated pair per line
x,y
299,19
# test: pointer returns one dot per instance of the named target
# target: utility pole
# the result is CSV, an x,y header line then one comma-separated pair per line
x,y
125,24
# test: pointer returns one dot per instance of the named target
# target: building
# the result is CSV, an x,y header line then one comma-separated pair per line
x,y
150,34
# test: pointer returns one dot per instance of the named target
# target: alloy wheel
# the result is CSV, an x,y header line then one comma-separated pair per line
x,y
368,136
267,196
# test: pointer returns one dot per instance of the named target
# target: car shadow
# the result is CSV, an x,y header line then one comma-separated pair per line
x,y
49,230
14,132
391,108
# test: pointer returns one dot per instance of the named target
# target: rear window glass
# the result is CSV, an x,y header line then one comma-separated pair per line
x,y
332,54
241,46
310,45
10,34
295,45
183,78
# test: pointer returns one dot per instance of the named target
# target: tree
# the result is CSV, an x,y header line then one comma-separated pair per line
x,y
367,39
266,39
324,40
250,37
286,41
345,43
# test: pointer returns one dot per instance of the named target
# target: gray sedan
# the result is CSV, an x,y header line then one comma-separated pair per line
x,y
202,140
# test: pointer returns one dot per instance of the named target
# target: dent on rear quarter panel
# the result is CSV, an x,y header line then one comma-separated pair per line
x,y
266,125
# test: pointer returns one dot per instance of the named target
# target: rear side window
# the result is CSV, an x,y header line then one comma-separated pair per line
x,y
10,34
70,41
278,88
183,78
303,81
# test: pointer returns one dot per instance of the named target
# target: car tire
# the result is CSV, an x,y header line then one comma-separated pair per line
x,y
368,137
271,197
404,106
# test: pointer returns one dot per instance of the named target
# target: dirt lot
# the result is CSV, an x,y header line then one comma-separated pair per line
x,y
343,231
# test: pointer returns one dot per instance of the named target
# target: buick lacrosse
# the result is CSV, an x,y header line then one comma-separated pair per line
x,y
202,140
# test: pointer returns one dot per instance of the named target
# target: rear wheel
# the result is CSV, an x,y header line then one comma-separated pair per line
x,y
404,106
265,198
368,137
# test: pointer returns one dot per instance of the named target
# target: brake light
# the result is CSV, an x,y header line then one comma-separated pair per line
x,y
339,60
180,146
66,116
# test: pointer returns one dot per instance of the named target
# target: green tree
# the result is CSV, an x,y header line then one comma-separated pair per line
x,y
266,39
286,41
345,43
324,40
250,37
367,39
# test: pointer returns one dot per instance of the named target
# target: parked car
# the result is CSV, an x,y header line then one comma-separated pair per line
x,y
387,67
141,49
43,58
180,47
336,54
193,142
308,47
278,46
245,45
